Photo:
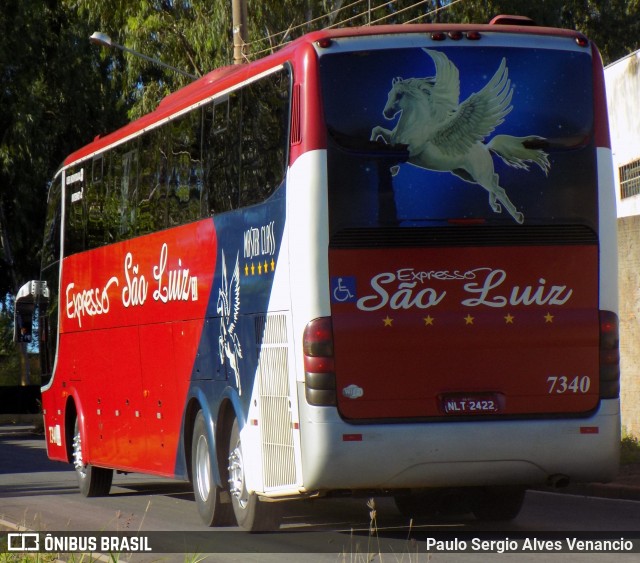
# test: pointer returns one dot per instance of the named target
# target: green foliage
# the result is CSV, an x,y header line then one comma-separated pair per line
x,y
59,91
55,95
629,450
10,369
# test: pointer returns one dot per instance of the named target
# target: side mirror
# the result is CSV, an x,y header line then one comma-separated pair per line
x,y
29,295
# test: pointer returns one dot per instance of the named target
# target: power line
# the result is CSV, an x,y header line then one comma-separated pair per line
x,y
401,11
361,15
434,11
347,20
306,24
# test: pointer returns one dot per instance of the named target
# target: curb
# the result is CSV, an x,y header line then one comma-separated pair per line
x,y
13,419
614,491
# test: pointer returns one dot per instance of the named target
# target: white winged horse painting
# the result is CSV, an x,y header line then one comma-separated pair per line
x,y
445,135
228,307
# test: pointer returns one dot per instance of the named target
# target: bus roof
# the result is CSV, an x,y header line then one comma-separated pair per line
x,y
225,78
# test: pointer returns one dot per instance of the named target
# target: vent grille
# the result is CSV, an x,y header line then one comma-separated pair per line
x,y
276,432
457,236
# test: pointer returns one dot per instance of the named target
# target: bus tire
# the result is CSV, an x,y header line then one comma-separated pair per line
x,y
251,514
92,481
497,503
209,496
419,505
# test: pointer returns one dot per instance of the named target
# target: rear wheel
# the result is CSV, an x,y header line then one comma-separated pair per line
x,y
209,496
421,505
93,481
251,514
498,503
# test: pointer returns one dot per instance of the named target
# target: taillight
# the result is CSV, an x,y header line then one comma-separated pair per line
x,y
319,367
609,355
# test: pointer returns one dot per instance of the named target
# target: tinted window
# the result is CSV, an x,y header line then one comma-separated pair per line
x,y
227,154
410,144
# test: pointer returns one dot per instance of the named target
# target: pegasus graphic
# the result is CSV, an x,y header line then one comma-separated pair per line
x,y
445,135
228,308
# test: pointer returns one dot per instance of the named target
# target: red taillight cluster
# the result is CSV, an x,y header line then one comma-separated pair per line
x,y
319,366
609,355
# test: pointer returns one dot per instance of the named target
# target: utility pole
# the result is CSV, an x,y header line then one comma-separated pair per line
x,y
240,37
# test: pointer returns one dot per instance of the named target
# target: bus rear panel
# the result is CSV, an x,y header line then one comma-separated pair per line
x,y
471,303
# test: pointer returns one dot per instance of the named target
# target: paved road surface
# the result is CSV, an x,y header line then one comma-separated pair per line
x,y
41,495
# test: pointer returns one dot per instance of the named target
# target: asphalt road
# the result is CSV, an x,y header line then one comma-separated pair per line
x,y
40,495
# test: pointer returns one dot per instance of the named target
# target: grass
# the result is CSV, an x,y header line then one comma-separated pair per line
x,y
45,558
629,449
374,553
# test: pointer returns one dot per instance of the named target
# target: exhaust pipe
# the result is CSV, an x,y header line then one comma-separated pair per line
x,y
558,481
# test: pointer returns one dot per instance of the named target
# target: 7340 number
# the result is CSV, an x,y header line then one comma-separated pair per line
x,y
561,384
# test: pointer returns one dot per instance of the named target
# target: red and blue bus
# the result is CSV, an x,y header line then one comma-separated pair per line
x,y
380,259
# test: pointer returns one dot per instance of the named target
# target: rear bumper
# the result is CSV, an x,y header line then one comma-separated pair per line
x,y
338,455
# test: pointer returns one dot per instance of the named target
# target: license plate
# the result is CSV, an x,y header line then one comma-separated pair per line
x,y
470,404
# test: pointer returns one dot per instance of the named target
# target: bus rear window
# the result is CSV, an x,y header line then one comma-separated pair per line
x,y
482,134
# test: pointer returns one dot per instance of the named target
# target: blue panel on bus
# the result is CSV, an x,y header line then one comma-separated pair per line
x,y
248,247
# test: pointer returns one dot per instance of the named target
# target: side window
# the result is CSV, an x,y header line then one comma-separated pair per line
x,y
75,216
228,154
265,128
152,184
51,243
50,273
111,207
120,195
186,172
221,153
128,191
94,202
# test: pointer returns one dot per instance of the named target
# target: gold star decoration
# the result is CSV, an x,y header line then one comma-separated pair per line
x,y
388,321
548,318
468,320
428,320
262,267
509,319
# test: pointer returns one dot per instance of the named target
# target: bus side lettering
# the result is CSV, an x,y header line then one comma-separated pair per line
x,y
90,302
179,285
136,288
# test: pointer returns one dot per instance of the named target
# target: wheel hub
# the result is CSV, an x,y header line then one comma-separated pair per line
x,y
236,477
77,456
203,468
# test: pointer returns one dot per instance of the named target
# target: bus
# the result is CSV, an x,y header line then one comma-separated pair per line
x,y
380,260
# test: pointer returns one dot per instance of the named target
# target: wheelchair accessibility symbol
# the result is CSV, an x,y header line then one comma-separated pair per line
x,y
343,289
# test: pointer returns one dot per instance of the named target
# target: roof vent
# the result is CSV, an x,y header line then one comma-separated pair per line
x,y
511,20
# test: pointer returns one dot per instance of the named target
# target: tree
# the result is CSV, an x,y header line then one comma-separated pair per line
x,y
54,95
58,91
612,24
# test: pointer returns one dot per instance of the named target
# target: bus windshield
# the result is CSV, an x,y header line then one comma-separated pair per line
x,y
491,134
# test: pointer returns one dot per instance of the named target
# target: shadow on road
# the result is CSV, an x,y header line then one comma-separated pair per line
x,y
22,450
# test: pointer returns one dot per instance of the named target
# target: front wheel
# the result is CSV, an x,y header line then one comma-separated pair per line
x,y
93,481
252,515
